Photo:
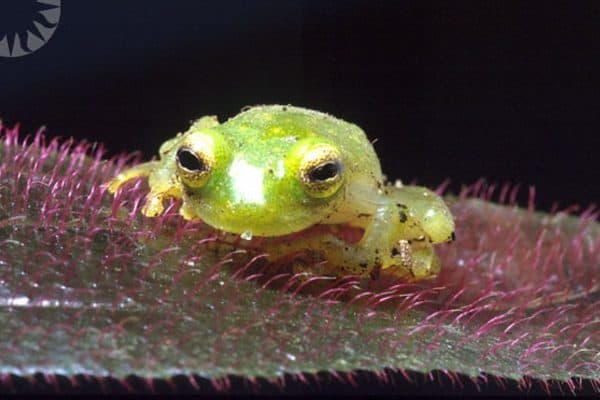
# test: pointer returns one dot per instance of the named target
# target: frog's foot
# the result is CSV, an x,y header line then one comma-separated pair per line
x,y
153,206
324,255
413,259
304,263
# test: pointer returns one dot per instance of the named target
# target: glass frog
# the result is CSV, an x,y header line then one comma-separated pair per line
x,y
275,170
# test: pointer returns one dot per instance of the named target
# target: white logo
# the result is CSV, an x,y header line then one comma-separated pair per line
x,y
26,25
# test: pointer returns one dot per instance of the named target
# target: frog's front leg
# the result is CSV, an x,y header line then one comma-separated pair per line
x,y
161,182
137,171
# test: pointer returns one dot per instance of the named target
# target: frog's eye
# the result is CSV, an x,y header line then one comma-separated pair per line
x,y
194,166
321,171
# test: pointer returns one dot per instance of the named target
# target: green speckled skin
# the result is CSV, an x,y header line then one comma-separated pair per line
x,y
255,188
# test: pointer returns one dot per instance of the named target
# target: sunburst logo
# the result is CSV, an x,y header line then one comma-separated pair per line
x,y
26,25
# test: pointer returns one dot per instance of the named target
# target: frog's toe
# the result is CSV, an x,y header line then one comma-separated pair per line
x,y
114,184
416,260
425,266
153,206
438,224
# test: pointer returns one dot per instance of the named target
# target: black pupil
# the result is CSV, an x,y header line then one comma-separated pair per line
x,y
323,172
188,160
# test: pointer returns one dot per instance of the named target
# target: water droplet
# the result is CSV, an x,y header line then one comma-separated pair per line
x,y
21,301
290,356
126,302
246,235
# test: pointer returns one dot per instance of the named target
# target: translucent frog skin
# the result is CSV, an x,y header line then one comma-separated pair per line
x,y
275,170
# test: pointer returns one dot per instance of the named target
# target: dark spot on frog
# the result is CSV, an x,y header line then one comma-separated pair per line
x,y
395,252
363,265
270,171
400,205
403,217
364,215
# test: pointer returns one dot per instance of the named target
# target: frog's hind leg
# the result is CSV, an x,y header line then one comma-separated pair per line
x,y
340,258
343,258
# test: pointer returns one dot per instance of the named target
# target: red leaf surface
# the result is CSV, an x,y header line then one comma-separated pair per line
x,y
89,286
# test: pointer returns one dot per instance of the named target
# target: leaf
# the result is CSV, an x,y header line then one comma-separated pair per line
x,y
89,286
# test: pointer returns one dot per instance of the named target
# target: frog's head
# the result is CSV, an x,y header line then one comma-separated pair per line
x,y
268,173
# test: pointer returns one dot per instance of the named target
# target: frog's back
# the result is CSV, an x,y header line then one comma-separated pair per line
x,y
278,126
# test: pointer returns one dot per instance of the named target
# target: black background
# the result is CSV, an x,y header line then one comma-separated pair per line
x,y
504,90
509,91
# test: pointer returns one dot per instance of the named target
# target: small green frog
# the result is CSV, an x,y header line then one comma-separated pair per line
x,y
275,170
